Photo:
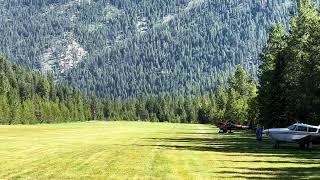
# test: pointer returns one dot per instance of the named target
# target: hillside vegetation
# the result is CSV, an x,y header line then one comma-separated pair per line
x,y
288,86
128,48
27,97
289,89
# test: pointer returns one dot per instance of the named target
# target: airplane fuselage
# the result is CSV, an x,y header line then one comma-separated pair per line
x,y
286,135
299,133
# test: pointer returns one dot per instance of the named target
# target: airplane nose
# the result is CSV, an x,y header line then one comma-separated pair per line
x,y
266,131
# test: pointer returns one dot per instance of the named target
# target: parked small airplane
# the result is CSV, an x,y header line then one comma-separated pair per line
x,y
303,134
229,126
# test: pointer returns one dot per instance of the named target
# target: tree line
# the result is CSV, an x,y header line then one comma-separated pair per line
x,y
289,88
28,97
231,101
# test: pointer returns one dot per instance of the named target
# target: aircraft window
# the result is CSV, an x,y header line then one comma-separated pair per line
x,y
302,128
292,127
310,129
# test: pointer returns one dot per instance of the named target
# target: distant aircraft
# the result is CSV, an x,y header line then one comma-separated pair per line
x,y
303,134
226,126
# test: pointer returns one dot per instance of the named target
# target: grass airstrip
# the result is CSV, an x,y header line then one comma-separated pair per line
x,y
139,150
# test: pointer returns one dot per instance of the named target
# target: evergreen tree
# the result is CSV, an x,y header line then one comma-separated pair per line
x,y
28,98
4,84
288,89
28,112
15,107
4,110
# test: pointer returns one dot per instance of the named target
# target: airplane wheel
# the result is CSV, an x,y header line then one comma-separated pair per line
x,y
302,145
225,131
276,145
309,145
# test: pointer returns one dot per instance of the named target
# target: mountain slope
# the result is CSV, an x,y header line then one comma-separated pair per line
x,y
28,98
139,47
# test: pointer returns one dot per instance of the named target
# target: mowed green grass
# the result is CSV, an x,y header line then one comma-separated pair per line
x,y
139,150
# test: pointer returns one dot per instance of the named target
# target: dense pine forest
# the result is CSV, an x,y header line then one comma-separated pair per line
x,y
129,48
287,89
28,98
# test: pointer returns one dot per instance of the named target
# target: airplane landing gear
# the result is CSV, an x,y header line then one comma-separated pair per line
x,y
306,145
302,145
276,145
223,131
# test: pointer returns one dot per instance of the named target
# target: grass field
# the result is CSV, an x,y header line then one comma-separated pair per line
x,y
137,150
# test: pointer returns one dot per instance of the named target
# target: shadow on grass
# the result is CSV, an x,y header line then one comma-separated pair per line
x,y
278,173
232,144
245,143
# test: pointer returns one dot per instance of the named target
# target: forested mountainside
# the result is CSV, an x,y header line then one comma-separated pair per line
x,y
123,48
27,98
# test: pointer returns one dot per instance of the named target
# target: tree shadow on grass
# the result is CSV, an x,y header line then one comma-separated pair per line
x,y
232,143
275,173
245,144
279,161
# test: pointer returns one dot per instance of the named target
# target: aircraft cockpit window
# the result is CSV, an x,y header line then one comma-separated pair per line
x,y
302,128
292,127
310,129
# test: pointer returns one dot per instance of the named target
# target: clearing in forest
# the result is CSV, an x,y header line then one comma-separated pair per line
x,y
139,150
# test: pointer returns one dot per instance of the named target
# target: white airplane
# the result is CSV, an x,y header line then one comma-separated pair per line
x,y
304,134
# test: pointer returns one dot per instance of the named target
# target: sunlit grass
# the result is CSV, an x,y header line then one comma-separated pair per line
x,y
137,150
